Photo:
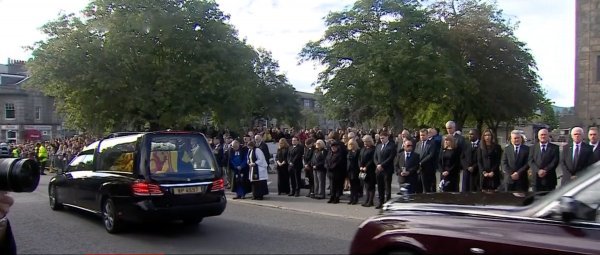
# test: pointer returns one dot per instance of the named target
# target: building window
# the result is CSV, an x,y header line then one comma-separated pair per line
x,y
598,68
307,103
9,111
38,112
11,136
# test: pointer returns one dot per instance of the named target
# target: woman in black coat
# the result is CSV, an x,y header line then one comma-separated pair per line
x,y
488,159
336,171
352,171
367,166
283,177
449,165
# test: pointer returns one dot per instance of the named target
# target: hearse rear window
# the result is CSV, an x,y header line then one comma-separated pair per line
x,y
180,154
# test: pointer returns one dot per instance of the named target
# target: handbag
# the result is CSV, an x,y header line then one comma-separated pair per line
x,y
362,175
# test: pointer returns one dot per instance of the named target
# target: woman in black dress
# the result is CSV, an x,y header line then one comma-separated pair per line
x,y
283,177
367,166
488,159
449,165
353,171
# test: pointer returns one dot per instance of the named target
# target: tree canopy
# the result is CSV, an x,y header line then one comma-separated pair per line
x,y
130,63
423,65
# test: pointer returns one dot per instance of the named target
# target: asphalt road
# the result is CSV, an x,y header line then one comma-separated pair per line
x,y
277,225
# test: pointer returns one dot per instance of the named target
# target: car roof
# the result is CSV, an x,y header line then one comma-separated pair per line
x,y
124,135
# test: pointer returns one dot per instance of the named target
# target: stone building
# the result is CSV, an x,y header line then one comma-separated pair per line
x,y
587,62
25,115
313,113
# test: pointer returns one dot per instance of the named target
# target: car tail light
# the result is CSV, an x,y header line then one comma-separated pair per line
x,y
218,185
143,188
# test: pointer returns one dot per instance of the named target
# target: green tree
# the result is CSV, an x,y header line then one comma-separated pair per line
x,y
130,63
274,96
381,58
498,81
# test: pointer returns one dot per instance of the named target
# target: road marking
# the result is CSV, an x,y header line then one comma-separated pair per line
x,y
296,209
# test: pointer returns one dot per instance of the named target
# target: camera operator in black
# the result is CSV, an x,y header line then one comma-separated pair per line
x,y
7,241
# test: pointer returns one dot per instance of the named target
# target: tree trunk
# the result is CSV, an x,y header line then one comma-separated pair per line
x,y
397,120
154,126
480,125
459,117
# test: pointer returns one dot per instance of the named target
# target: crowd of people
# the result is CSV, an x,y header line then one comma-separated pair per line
x,y
365,163
52,154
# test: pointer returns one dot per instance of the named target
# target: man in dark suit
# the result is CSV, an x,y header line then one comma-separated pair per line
x,y
576,156
295,166
427,150
384,160
514,163
543,160
7,241
468,159
407,167
593,136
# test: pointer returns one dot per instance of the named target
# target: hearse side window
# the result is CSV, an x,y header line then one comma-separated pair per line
x,y
171,154
83,162
117,154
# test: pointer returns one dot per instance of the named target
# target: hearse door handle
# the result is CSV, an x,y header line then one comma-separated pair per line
x,y
477,251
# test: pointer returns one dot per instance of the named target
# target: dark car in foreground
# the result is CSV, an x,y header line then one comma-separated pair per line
x,y
564,221
160,176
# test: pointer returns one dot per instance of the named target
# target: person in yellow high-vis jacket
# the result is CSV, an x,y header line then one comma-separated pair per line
x,y
42,157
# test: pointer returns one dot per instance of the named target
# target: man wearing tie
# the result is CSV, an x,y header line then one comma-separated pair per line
x,y
514,163
407,166
295,166
593,136
385,152
576,156
543,160
427,150
470,173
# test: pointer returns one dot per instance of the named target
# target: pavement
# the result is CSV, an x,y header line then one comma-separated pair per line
x,y
309,205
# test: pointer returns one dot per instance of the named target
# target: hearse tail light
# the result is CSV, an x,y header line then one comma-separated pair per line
x,y
218,185
143,188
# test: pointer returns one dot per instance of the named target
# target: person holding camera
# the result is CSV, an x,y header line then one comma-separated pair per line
x,y
7,241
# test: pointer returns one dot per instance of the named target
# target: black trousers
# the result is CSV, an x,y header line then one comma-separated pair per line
x,y
429,180
296,178
336,179
384,185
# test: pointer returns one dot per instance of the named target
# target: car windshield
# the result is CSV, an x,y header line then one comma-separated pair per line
x,y
177,155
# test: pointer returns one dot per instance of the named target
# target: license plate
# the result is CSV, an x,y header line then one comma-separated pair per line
x,y
188,190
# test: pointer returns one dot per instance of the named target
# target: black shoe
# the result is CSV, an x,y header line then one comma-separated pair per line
x,y
335,202
297,194
279,193
378,207
399,193
291,194
367,205
237,197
